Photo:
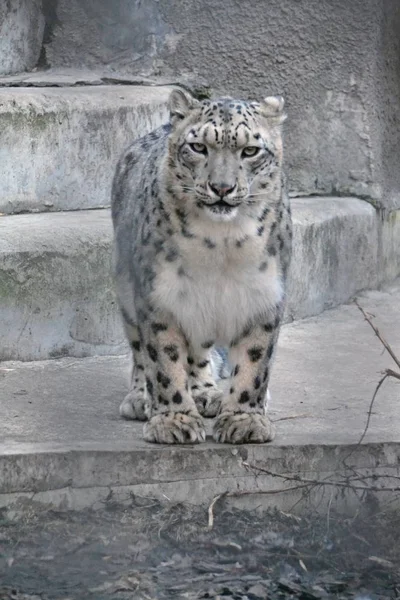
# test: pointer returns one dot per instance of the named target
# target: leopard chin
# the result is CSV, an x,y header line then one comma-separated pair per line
x,y
221,213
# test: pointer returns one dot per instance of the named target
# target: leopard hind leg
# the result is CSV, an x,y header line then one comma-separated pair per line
x,y
135,405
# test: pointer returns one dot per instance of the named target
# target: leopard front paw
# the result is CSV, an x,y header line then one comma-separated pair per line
x,y
175,428
134,406
243,428
208,399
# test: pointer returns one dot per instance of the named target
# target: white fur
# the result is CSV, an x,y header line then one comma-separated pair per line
x,y
215,300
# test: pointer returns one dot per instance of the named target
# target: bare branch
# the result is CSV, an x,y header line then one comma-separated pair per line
x,y
371,405
250,493
378,334
391,373
306,481
386,373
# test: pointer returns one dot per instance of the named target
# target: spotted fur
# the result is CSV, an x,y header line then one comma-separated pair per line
x,y
202,249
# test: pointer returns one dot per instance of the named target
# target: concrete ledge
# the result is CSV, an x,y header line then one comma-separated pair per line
x,y
335,253
21,35
56,290
57,294
202,476
64,443
60,145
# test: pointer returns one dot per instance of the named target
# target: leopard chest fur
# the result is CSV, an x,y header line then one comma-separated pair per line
x,y
214,291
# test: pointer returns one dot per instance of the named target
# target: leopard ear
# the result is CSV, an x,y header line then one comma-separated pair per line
x,y
272,109
180,103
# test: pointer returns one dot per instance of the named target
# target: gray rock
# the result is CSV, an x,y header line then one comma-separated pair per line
x,y
60,145
21,35
57,293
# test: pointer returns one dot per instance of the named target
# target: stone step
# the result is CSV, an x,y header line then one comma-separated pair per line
x,y
22,26
57,294
59,146
62,441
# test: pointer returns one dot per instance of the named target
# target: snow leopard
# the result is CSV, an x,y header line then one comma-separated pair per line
x,y
203,235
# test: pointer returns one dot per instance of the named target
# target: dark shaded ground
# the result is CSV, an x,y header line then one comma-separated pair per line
x,y
149,551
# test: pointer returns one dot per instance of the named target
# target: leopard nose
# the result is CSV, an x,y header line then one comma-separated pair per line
x,y
221,189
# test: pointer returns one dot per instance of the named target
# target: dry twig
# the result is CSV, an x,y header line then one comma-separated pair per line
x,y
387,346
328,482
251,493
385,374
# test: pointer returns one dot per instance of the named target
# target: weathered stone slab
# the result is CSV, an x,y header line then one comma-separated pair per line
x,y
21,35
59,146
57,294
335,250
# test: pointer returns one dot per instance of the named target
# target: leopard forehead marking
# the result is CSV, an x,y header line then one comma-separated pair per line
x,y
227,123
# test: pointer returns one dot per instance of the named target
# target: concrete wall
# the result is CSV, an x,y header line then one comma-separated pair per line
x,y
21,35
335,61
387,99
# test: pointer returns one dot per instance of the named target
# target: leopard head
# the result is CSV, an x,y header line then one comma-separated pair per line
x,y
225,155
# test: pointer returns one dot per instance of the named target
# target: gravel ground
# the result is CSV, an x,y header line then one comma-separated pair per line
x,y
149,551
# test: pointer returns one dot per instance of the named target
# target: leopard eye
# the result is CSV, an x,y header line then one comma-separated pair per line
x,y
250,151
199,148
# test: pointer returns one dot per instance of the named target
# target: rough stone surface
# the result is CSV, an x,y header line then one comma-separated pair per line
x,y
124,34
21,35
387,100
335,250
63,441
56,291
60,146
152,550
70,77
342,94
57,294
389,252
